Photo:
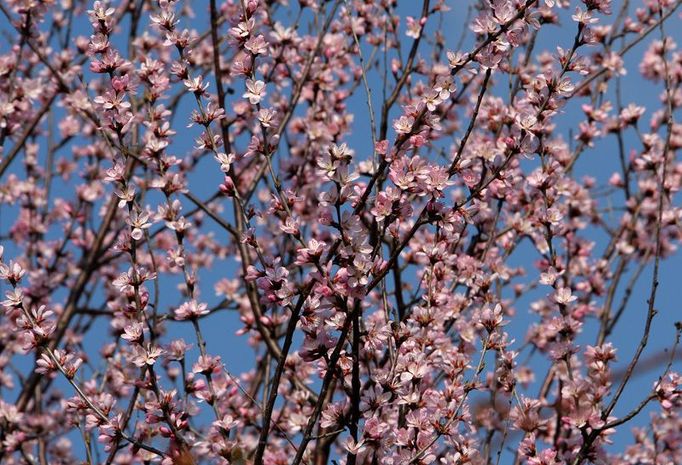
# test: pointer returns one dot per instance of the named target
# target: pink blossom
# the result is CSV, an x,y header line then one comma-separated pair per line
x,y
255,91
191,310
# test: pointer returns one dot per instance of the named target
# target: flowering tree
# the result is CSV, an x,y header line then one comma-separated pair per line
x,y
372,276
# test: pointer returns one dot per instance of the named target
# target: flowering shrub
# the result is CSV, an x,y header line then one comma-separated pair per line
x,y
372,276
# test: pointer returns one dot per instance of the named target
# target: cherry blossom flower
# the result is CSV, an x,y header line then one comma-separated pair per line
x,y
145,356
138,221
414,26
133,332
255,91
191,310
563,296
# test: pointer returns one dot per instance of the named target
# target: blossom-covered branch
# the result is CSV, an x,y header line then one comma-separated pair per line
x,y
347,232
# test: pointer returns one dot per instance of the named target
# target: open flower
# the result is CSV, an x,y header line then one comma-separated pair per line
x,y
145,356
191,310
563,296
138,221
255,91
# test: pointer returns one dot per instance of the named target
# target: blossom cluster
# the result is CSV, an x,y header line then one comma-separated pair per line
x,y
427,240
